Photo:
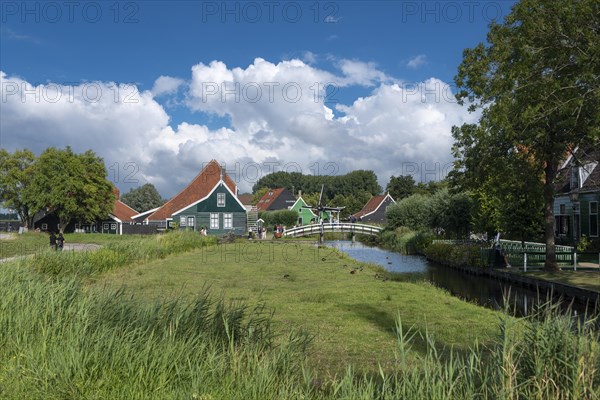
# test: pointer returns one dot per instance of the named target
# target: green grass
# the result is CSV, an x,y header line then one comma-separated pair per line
x,y
36,242
60,340
584,279
351,316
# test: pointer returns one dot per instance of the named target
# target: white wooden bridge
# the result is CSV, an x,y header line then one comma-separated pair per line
x,y
320,229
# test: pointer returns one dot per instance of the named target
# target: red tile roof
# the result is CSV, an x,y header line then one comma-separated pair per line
x,y
199,188
123,211
268,198
372,205
245,199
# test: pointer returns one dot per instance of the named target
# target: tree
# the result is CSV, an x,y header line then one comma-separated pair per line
x,y
536,84
258,194
73,186
15,180
143,198
412,212
401,187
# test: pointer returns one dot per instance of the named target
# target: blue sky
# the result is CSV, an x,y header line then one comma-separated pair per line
x,y
376,53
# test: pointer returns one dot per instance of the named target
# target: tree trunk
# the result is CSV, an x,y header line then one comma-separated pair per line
x,y
63,223
549,174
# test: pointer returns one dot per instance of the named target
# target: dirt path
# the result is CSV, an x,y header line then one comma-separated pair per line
x,y
68,247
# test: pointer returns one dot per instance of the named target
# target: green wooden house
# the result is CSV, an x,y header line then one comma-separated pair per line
x,y
209,201
220,212
306,215
577,199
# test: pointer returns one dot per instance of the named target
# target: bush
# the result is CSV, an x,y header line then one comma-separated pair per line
x,y
455,255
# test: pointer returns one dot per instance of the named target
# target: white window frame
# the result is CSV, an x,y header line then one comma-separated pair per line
x,y
220,199
106,226
593,215
191,221
113,227
214,220
44,227
183,220
228,221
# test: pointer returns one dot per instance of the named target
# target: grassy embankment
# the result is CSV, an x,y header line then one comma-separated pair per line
x,y
61,338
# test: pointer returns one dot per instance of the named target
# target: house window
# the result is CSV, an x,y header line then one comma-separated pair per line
x,y
574,178
44,227
228,221
220,199
214,221
191,222
182,221
113,227
105,227
593,218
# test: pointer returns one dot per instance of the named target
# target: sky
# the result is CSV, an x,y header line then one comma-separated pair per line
x,y
158,89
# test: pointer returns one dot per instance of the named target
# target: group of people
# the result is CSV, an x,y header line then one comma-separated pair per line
x,y
261,233
57,242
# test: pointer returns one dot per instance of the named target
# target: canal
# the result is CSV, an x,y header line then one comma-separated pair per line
x,y
483,291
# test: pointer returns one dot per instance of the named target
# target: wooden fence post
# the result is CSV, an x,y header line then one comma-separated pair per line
x,y
524,261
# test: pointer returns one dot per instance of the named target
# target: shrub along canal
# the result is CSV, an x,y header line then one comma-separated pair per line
x,y
484,291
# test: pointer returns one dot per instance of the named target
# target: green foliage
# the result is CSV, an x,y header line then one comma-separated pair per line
x,y
351,184
400,187
73,186
284,217
455,255
405,240
16,172
412,212
536,84
143,198
258,194
445,213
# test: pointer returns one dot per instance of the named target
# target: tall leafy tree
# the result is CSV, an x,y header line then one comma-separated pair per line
x,y
73,186
401,187
536,84
143,198
15,180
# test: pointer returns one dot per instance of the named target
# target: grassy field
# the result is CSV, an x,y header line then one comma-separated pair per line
x,y
176,317
351,315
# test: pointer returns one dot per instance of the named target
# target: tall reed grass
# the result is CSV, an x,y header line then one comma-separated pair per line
x,y
117,254
59,340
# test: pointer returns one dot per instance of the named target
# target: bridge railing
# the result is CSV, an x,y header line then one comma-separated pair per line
x,y
333,227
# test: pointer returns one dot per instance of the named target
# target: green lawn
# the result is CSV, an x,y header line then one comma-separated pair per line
x,y
350,315
584,279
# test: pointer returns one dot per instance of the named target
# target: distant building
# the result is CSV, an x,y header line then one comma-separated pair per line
x,y
577,196
374,210
115,223
276,199
209,201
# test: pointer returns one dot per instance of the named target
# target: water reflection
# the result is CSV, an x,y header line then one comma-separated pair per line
x,y
484,291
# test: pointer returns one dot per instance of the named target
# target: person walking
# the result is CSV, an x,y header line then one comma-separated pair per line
x,y
60,241
52,240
